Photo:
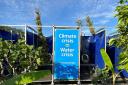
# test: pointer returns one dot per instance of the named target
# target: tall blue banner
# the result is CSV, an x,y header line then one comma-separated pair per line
x,y
100,43
66,54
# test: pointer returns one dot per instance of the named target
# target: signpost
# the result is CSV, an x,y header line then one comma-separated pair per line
x,y
66,54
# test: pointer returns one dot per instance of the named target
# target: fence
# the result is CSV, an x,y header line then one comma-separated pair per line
x,y
90,45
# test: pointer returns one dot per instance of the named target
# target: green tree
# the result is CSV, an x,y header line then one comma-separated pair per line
x,y
122,40
41,39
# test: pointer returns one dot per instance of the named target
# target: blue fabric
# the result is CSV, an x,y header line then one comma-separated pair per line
x,y
88,47
8,36
49,42
117,53
100,43
113,53
31,38
92,46
5,35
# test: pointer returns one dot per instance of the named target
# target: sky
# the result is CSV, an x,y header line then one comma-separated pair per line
x,y
60,12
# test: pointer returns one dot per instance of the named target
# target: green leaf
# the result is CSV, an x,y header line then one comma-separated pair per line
x,y
107,60
111,41
38,60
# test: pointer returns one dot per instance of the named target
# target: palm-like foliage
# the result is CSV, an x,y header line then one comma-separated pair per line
x,y
107,60
110,66
79,22
42,40
90,25
38,22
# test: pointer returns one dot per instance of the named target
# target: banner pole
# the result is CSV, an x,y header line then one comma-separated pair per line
x,y
105,39
52,83
79,83
11,36
33,38
25,34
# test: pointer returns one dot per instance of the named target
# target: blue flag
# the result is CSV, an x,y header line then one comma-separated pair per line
x,y
100,43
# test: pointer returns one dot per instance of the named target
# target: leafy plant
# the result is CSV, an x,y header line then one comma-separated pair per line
x,y
105,75
122,27
109,69
19,57
102,76
122,39
108,64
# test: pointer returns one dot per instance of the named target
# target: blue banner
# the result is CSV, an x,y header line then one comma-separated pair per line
x,y
66,54
100,43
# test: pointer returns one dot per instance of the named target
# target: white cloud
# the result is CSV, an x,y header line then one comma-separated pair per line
x,y
104,14
96,9
102,22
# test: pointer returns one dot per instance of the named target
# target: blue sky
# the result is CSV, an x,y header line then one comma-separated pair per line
x,y
59,12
